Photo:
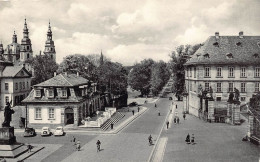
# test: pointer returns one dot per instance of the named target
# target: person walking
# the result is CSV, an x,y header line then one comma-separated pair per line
x,y
29,148
150,140
98,145
78,145
133,111
193,139
112,126
178,120
73,139
167,124
138,108
184,116
155,105
188,139
175,120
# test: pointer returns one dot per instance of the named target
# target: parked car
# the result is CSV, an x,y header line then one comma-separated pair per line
x,y
29,132
46,131
133,104
59,131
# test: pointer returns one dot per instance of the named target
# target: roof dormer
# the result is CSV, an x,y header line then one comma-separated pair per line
x,y
239,44
229,55
216,44
256,55
206,55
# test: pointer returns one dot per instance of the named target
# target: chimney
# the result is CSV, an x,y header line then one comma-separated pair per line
x,y
241,34
55,73
217,35
77,74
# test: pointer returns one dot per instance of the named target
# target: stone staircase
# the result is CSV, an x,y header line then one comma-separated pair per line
x,y
114,119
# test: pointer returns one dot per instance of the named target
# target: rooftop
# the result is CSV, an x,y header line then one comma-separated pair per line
x,y
243,50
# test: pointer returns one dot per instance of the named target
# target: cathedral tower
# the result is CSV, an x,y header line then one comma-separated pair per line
x,y
49,45
26,46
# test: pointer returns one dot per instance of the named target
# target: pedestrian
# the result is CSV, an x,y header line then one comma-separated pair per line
x,y
193,139
29,148
98,145
184,116
73,139
112,125
150,140
138,108
159,113
175,120
188,139
78,145
178,120
167,124
133,111
176,106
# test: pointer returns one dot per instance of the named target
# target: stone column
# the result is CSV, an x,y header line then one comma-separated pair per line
x,y
62,116
76,116
251,124
229,109
185,104
211,107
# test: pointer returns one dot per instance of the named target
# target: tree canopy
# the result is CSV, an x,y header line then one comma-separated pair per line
x,y
140,76
43,68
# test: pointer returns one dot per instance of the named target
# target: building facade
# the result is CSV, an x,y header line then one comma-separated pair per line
x,y
15,84
61,100
219,66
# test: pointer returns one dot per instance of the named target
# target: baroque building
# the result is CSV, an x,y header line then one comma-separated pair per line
x,y
219,66
61,100
19,53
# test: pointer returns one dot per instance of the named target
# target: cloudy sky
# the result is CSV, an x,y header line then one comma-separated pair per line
x,y
127,31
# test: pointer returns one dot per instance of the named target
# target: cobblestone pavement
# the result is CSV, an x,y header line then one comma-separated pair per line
x,y
131,144
215,142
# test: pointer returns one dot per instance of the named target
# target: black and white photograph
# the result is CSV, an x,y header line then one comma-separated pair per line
x,y
129,81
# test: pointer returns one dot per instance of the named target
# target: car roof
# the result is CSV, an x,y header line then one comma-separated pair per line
x,y
59,127
45,127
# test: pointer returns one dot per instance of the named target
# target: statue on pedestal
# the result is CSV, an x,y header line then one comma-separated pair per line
x,y
231,97
237,94
200,90
7,115
211,92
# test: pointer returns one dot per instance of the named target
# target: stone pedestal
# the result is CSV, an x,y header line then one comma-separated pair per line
x,y
236,114
8,146
7,136
211,107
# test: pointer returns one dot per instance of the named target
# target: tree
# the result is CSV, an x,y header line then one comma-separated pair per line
x,y
79,63
140,76
43,67
178,59
159,77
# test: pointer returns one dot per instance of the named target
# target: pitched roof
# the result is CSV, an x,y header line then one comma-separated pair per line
x,y
12,71
228,50
63,80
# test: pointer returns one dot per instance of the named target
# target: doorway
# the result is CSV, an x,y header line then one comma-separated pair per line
x,y
69,116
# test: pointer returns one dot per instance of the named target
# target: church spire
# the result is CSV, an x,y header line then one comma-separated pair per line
x,y
25,30
101,59
14,38
49,44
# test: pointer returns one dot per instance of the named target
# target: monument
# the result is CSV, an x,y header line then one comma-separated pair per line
x,y
9,148
233,107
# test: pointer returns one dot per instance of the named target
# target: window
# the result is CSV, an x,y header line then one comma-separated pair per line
x,y
51,113
190,72
51,92
16,86
38,113
6,99
257,86
231,72
230,87
64,93
219,71
207,86
219,87
218,98
207,71
27,85
257,72
23,85
28,55
6,86
190,86
187,72
243,72
20,84
195,72
243,98
243,87
38,93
